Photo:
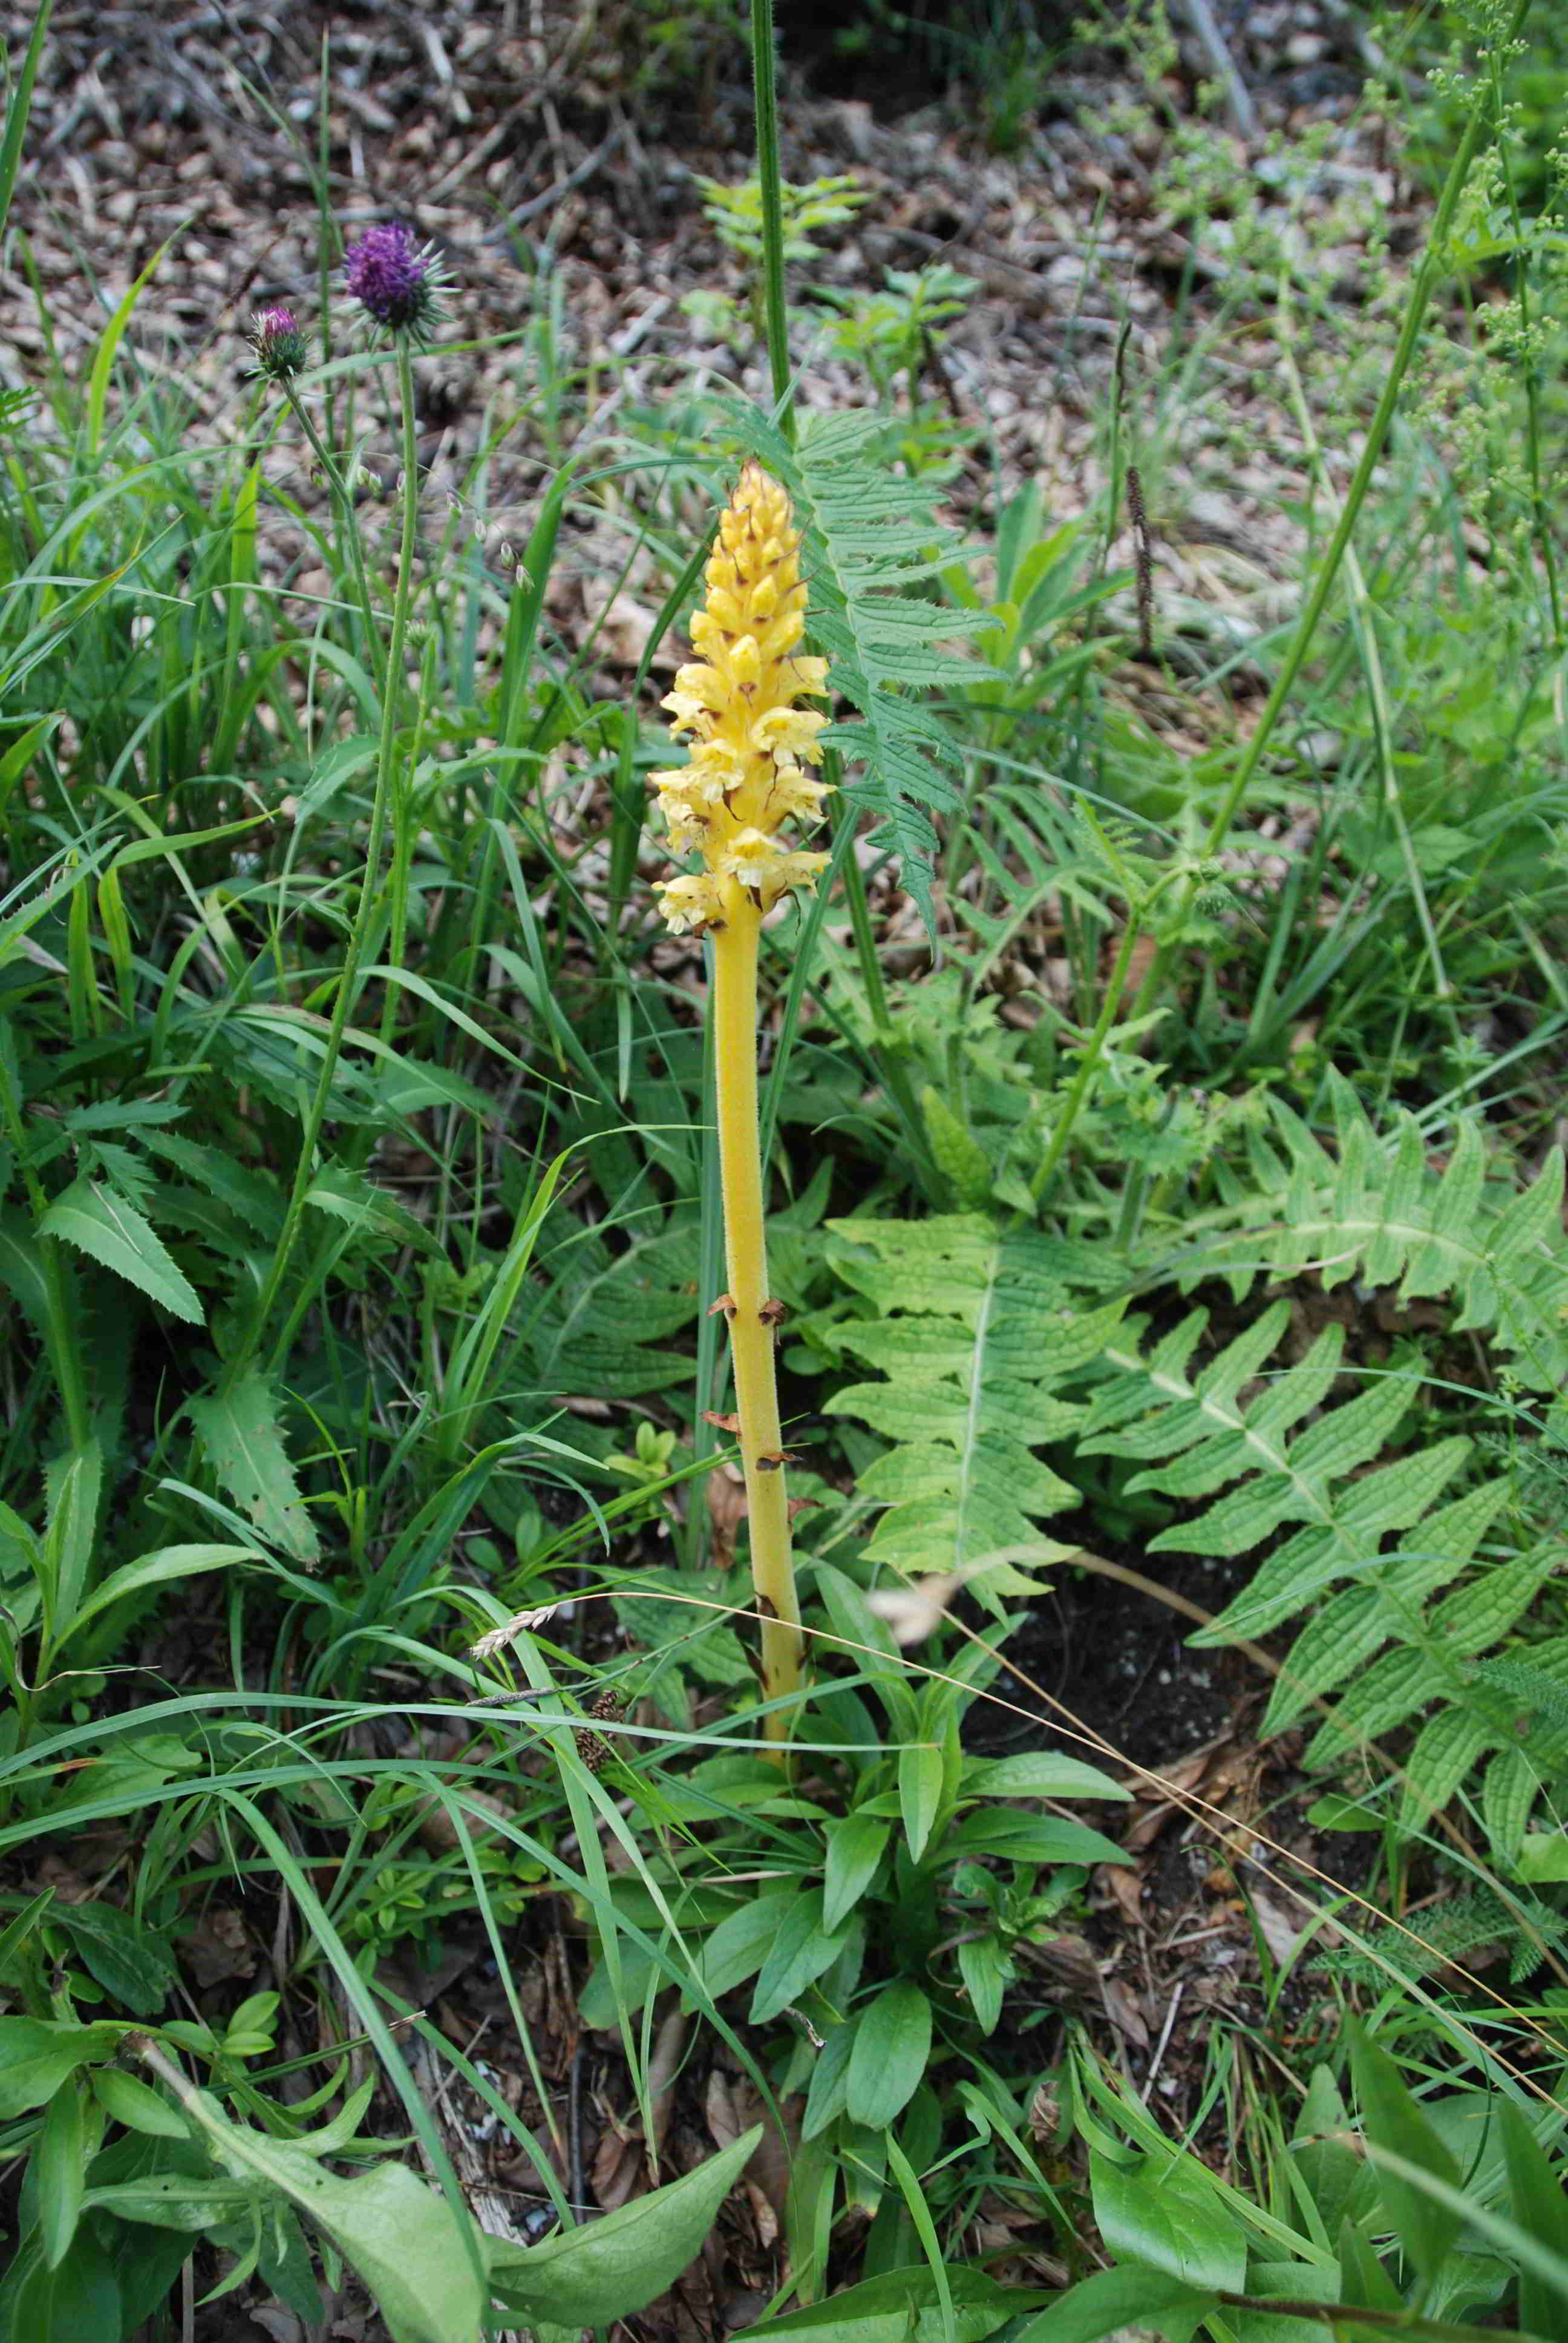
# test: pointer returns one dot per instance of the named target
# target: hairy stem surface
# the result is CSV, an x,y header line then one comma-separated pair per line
x,y
752,1332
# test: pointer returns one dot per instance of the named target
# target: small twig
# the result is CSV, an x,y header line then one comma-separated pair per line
x,y
1154,2064
1222,66
562,187
575,2125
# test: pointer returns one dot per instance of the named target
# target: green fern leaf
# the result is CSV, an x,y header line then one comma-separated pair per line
x,y
1444,1751
871,537
1405,1645
595,1328
1508,1794
1212,1436
1452,1932
974,1331
1349,1628
1405,1680
956,1152
1378,1210
1533,1682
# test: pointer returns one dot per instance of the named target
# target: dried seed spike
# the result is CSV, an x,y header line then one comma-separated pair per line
x,y
1143,558
730,1424
517,1624
726,1302
592,1747
773,1313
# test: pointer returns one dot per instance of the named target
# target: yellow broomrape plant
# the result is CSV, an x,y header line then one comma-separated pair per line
x,y
751,750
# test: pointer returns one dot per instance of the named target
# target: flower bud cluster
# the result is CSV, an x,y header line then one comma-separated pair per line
x,y
752,747
278,340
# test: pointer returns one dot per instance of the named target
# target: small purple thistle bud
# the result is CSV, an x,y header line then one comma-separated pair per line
x,y
278,340
396,281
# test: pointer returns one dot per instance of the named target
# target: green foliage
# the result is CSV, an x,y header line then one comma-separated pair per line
x,y
734,214
871,538
1187,2245
1375,1207
357,1257
973,1332
179,2167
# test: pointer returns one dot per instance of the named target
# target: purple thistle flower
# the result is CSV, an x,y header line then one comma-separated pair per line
x,y
278,340
396,281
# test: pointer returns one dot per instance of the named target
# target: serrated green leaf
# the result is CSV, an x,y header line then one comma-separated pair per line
x,y
99,1221
239,1431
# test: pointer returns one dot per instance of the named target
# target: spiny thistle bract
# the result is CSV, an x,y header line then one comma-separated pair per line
x,y
736,700
397,281
278,340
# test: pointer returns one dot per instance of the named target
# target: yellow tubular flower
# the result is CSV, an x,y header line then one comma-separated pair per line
x,y
750,742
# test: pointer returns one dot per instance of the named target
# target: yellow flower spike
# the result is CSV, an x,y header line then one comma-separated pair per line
x,y
738,702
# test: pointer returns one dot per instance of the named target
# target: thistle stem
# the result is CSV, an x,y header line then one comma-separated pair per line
x,y
750,1333
366,913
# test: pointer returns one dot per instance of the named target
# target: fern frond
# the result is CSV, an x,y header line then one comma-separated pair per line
x,y
972,1331
595,1328
1377,1209
1394,1687
871,537
1533,1683
1452,1932
1277,1454
1351,1626
1213,1437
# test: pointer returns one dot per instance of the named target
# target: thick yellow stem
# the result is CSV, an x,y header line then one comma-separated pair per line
x,y
751,1334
